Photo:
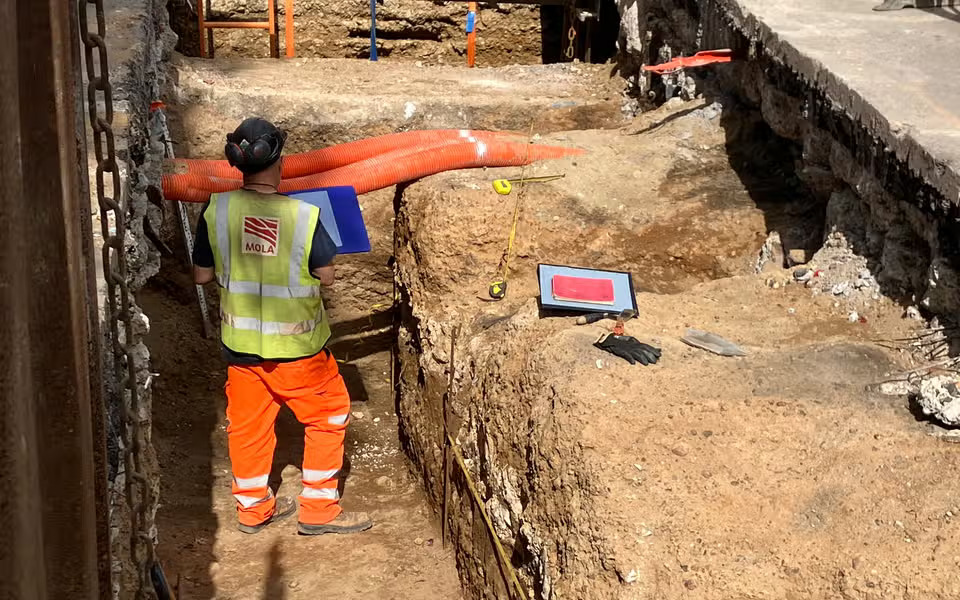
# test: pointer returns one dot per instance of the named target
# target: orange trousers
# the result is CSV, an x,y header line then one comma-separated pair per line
x,y
314,390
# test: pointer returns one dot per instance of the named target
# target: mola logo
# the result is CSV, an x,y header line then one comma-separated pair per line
x,y
261,235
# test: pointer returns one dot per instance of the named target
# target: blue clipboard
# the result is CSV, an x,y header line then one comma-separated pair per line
x,y
340,215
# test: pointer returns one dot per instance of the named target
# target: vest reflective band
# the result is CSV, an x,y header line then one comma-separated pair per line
x,y
270,305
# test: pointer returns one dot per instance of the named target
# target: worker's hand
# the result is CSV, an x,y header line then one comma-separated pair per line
x,y
202,275
629,349
326,274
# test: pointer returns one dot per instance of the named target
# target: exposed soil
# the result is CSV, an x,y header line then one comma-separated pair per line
x,y
414,30
400,558
322,102
782,474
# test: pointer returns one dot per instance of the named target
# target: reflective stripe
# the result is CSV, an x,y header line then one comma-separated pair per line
x,y
481,149
223,236
325,493
299,247
252,482
316,476
338,419
268,327
248,501
272,291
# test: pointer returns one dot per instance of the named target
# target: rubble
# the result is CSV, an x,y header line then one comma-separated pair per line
x,y
939,398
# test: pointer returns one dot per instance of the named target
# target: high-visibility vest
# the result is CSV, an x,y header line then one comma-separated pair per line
x,y
270,305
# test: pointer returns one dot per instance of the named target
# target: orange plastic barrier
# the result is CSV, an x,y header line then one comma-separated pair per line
x,y
707,57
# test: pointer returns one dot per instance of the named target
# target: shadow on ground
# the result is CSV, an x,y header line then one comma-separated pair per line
x,y
188,404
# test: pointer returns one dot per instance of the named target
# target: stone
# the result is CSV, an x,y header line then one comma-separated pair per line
x,y
771,257
796,256
939,398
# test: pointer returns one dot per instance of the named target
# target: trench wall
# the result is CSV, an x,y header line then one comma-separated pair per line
x,y
900,221
139,43
417,30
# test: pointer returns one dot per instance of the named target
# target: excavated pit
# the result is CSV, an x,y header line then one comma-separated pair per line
x,y
782,474
402,557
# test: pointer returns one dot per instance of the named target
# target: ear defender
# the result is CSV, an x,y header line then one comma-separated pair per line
x,y
235,155
250,156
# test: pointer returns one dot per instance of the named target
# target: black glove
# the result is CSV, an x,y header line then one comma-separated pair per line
x,y
629,349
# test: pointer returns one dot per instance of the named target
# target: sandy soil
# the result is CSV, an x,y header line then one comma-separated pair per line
x,y
400,558
322,102
782,474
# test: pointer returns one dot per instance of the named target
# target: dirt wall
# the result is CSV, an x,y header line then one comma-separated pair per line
x,y
415,30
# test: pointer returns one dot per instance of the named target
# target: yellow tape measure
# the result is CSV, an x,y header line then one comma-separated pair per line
x,y
505,186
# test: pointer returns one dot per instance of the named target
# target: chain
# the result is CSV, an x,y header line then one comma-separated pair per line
x,y
572,32
119,317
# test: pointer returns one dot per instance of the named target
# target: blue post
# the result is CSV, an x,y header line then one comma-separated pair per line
x,y
373,30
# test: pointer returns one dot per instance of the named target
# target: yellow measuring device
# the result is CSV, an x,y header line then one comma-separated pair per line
x,y
505,186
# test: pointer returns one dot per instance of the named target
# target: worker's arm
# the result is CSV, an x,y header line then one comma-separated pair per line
x,y
203,263
203,275
326,274
322,252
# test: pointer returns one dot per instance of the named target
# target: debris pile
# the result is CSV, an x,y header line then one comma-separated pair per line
x,y
843,273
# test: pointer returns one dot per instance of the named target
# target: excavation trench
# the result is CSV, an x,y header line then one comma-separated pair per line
x,y
762,476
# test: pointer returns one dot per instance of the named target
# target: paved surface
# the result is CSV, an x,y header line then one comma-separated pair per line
x,y
897,72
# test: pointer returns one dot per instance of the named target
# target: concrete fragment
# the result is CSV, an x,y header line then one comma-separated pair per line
x,y
771,257
939,398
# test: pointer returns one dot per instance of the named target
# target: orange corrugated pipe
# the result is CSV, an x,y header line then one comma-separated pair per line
x,y
398,166
316,161
413,163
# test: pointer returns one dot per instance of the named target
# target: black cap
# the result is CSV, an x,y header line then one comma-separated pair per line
x,y
254,145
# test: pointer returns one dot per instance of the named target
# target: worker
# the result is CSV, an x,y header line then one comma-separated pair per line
x,y
269,255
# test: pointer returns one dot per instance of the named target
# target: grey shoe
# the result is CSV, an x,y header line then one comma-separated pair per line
x,y
284,508
345,522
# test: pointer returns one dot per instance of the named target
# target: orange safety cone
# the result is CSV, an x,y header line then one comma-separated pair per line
x,y
706,57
